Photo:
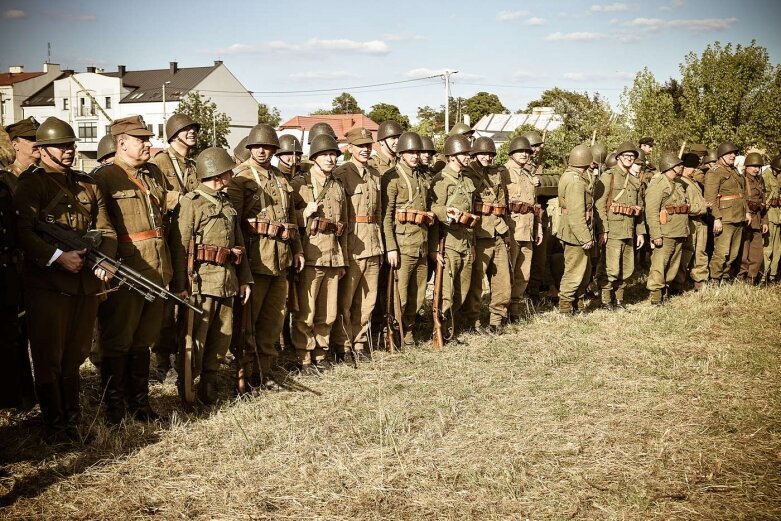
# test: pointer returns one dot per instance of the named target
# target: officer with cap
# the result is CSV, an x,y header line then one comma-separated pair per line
x,y
264,201
724,190
358,288
576,196
22,136
220,268
772,249
387,137
129,324
323,204
758,226
61,293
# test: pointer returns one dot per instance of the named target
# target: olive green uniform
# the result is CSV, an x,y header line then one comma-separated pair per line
x,y
207,218
325,255
665,260
10,175
405,188
539,270
523,230
724,188
381,162
752,259
491,247
694,257
772,241
617,187
259,193
576,229
358,288
454,190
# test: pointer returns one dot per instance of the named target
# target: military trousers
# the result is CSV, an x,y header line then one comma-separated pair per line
x,y
128,322
577,270
357,297
413,273
60,332
753,256
726,248
772,250
267,305
211,334
491,262
318,288
521,255
539,270
694,257
458,277
167,342
665,262
618,264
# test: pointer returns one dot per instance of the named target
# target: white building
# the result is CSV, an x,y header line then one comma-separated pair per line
x,y
90,100
499,126
17,85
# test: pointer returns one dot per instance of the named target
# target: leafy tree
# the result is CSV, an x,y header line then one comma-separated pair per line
x,y
430,121
269,115
385,111
649,109
345,103
214,124
481,104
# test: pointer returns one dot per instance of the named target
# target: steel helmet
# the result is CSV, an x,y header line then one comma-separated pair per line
x,y
754,159
54,131
428,144
458,144
581,156
389,128
212,162
483,145
610,160
711,156
627,146
640,159
177,122
534,137
775,164
409,142
241,152
519,143
289,144
725,148
319,128
262,134
669,160
323,143
599,151
106,147
461,129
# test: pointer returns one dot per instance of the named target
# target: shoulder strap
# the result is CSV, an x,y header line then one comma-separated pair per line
x,y
222,208
623,188
178,171
80,207
412,195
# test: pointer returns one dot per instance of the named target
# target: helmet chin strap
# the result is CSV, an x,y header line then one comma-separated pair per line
x,y
463,165
56,161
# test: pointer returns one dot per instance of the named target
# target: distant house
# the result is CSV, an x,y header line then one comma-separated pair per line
x,y
90,100
499,126
17,85
341,123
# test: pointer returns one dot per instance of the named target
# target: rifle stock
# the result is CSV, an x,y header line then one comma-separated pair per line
x,y
389,330
439,336
292,291
188,396
397,308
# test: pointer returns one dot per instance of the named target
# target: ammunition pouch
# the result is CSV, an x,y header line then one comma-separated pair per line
x,y
218,255
412,216
482,208
677,209
272,229
521,208
755,206
626,209
461,217
323,225
774,202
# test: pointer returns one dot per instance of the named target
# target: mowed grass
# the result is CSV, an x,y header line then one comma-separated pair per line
x,y
667,412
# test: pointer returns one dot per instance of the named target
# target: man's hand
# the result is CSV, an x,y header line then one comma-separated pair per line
x,y
184,295
342,273
310,209
299,262
393,258
748,219
244,293
540,235
764,229
535,180
658,242
588,245
102,274
640,241
602,239
72,260
717,227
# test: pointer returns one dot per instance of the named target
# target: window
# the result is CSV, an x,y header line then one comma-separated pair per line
x,y
160,131
108,129
64,103
88,132
108,102
151,128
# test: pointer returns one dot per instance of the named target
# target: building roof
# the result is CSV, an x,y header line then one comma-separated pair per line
x,y
147,86
44,96
9,78
498,124
341,123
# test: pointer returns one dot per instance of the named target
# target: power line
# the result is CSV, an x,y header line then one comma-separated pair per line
x,y
345,88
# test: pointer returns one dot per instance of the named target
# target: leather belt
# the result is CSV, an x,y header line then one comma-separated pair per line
x,y
154,233
365,219
730,197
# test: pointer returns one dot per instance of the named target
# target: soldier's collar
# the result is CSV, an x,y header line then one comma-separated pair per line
x,y
211,191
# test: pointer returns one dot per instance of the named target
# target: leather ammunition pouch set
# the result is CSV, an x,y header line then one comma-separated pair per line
x,y
677,209
482,208
774,202
626,209
412,216
521,208
728,197
218,254
323,225
272,229
467,219
755,206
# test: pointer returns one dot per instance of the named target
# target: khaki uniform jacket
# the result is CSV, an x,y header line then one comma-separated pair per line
x,y
322,249
619,186
532,168
363,200
213,224
174,187
721,181
406,238
131,211
773,191
10,175
694,197
663,192
454,190
381,162
272,199
521,189
43,194
755,194
490,187
576,198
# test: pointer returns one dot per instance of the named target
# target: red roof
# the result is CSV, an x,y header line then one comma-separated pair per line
x,y
9,78
341,123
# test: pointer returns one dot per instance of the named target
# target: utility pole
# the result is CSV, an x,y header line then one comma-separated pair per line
x,y
2,111
165,134
446,75
214,129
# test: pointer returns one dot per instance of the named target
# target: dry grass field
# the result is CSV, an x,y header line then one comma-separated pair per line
x,y
656,413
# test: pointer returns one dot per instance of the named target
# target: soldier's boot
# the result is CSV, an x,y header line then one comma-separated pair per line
x,y
207,390
50,401
565,307
656,297
619,305
162,366
70,405
607,299
113,374
138,388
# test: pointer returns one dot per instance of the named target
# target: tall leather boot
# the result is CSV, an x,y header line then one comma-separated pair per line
x,y
70,405
207,390
113,373
51,409
138,390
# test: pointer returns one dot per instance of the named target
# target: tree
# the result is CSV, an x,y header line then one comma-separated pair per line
x,y
430,121
270,116
345,103
213,123
481,104
385,111
649,110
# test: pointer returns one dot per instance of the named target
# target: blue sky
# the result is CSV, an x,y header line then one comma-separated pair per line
x,y
514,49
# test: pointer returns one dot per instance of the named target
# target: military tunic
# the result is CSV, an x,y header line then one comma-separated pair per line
x,y
10,176
724,188
772,241
381,162
752,259
576,196
524,228
539,269
694,257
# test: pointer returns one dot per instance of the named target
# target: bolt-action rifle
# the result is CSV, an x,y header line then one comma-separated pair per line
x,y
436,306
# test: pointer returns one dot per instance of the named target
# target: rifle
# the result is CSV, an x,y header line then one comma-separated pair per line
x,y
187,358
70,240
391,324
436,306
680,152
397,308
292,291
238,341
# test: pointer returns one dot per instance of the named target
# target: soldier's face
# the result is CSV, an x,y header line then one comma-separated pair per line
x,y
262,153
287,159
626,159
425,158
635,169
25,148
752,170
326,161
521,157
189,135
411,159
463,159
391,143
485,159
60,155
647,148
729,159
361,153
678,170
136,148
536,149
